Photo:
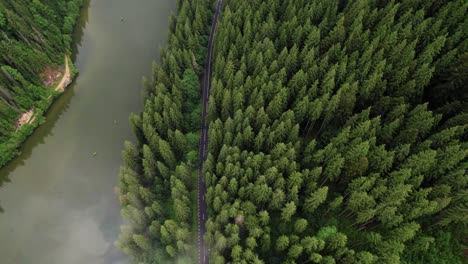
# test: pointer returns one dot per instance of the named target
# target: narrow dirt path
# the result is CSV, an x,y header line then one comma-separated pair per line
x,y
66,78
28,117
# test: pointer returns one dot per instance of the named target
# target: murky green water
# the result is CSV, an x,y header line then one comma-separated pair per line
x,y
58,199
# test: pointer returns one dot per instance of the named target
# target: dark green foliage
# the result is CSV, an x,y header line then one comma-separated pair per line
x,y
33,35
157,182
441,248
350,116
337,134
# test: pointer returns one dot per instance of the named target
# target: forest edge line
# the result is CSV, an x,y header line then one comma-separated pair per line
x,y
28,117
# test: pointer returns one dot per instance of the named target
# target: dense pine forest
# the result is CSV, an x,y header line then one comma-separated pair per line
x,y
35,36
158,179
337,135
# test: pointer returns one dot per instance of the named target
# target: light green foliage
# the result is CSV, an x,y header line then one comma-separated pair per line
x,y
2,20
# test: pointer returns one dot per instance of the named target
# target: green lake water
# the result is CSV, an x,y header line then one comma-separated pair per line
x,y
58,198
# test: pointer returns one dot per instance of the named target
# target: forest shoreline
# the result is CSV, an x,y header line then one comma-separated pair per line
x,y
67,79
34,115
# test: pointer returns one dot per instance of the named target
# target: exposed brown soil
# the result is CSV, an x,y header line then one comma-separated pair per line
x,y
51,76
26,118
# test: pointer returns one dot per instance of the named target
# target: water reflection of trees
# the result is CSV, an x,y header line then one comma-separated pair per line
x,y
79,28
2,181
53,114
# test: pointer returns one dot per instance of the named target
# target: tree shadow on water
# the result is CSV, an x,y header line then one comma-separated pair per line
x,y
53,114
80,28
59,106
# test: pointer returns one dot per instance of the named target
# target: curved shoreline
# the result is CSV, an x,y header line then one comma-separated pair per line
x,y
28,117
66,79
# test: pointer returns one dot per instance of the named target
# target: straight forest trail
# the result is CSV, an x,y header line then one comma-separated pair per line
x,y
202,215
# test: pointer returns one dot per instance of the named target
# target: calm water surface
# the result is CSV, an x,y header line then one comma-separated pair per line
x,y
58,199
